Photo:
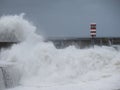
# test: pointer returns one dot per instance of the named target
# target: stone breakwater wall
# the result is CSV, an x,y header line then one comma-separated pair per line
x,y
9,76
84,42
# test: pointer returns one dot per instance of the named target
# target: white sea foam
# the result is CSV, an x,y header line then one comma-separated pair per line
x,y
15,28
42,66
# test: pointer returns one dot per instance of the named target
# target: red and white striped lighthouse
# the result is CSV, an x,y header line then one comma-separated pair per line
x,y
93,30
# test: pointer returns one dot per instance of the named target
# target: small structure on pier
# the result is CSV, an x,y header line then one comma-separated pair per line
x,y
93,33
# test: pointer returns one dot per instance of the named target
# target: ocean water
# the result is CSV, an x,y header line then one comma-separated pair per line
x,y
43,67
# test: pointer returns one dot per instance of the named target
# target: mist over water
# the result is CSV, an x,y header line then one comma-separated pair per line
x,y
16,28
42,65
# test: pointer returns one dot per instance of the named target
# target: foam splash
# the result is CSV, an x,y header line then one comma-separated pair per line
x,y
42,65
16,28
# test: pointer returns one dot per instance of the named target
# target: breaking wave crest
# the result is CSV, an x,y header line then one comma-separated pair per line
x,y
16,28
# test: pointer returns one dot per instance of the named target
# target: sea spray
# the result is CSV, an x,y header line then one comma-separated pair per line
x,y
41,64
16,28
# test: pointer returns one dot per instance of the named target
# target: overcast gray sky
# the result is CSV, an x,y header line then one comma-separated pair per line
x,y
68,18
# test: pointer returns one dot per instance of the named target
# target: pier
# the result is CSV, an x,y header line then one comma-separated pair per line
x,y
84,42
